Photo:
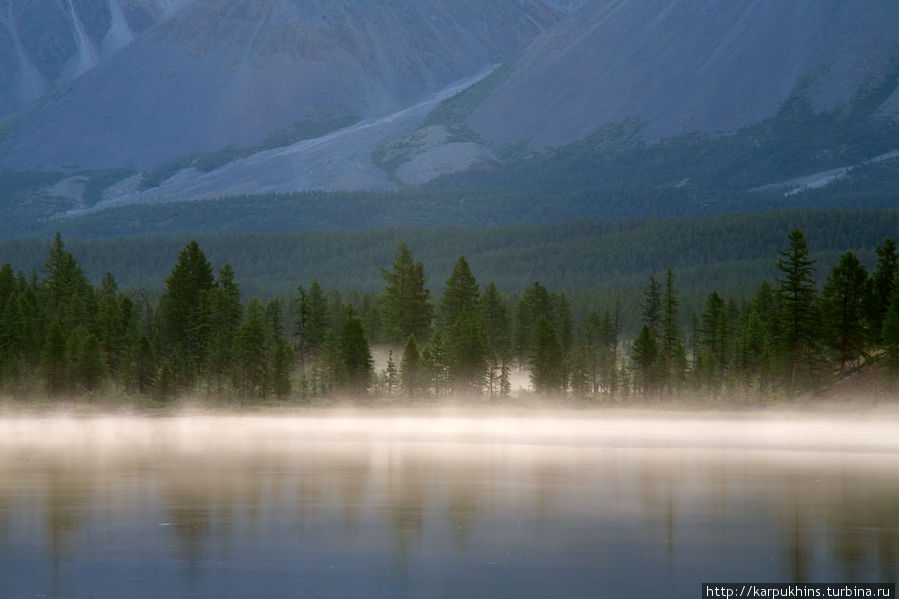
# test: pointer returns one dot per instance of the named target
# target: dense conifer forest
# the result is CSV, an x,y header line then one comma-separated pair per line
x,y
796,333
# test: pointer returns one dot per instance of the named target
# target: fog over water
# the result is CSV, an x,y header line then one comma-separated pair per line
x,y
411,503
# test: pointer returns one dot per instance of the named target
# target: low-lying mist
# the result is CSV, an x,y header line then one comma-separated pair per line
x,y
875,429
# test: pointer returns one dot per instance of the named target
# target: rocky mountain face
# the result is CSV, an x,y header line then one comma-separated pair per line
x,y
44,45
136,83
700,65
217,98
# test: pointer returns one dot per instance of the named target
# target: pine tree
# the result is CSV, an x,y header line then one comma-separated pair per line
x,y
312,321
883,283
535,303
391,376
68,295
644,354
184,310
467,352
225,315
460,295
843,301
410,368
281,367
652,306
250,353
890,333
671,343
796,291
546,359
496,320
406,303
355,355
53,360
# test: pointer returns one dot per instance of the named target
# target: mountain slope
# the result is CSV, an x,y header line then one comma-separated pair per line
x,y
218,73
44,45
702,65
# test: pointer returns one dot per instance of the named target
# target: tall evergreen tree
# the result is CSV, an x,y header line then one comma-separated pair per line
x,y
843,301
796,291
225,316
652,306
184,309
671,343
883,284
312,320
535,303
355,355
53,360
68,295
460,295
468,353
410,369
546,359
644,354
496,320
406,303
250,353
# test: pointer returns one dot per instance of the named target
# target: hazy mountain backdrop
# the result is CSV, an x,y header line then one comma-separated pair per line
x,y
109,103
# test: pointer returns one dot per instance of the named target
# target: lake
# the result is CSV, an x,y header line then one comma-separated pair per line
x,y
412,504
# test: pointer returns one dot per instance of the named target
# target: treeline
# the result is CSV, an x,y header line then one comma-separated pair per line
x,y
61,335
725,252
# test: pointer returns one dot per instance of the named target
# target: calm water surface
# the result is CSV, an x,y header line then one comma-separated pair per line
x,y
578,505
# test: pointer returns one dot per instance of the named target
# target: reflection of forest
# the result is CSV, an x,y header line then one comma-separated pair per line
x,y
228,501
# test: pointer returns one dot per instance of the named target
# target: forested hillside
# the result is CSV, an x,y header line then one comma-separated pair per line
x,y
727,252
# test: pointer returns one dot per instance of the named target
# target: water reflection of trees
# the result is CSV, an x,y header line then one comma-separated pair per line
x,y
225,503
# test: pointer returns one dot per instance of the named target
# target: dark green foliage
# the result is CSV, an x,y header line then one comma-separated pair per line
x,y
843,309
742,349
890,335
546,359
312,319
356,364
883,284
411,369
406,303
496,320
282,363
645,355
468,352
225,315
460,295
250,351
796,291
53,360
184,309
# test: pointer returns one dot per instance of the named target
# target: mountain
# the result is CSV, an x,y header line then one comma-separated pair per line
x,y
45,45
200,76
512,110
700,65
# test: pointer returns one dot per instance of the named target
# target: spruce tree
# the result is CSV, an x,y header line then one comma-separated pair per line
x,y
184,310
355,355
467,352
460,295
496,320
410,369
796,292
883,283
53,360
250,352
546,359
406,303
644,354
225,315
843,301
